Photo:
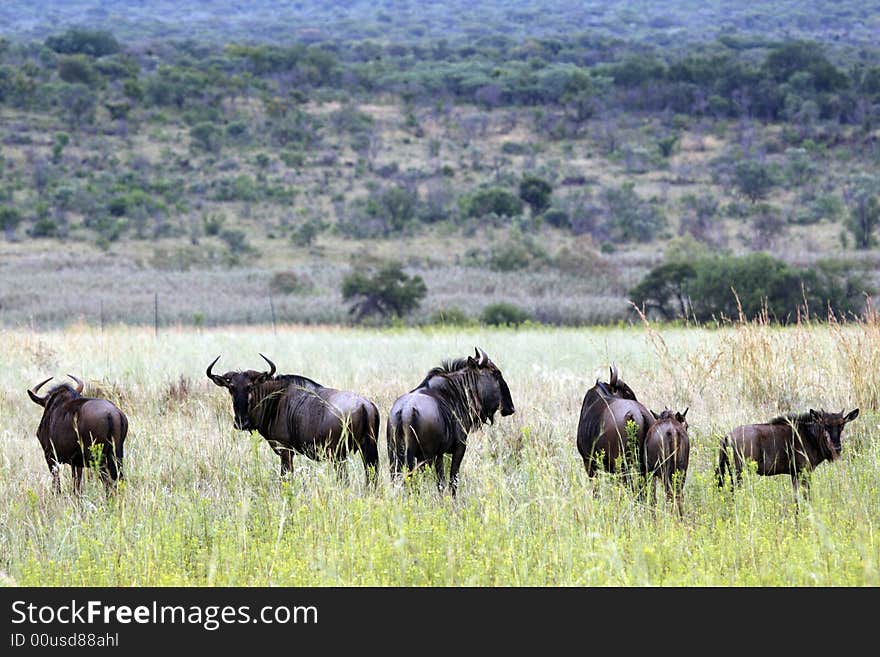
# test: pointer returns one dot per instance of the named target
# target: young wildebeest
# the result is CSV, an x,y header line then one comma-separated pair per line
x,y
792,445
665,453
435,418
606,409
81,431
299,416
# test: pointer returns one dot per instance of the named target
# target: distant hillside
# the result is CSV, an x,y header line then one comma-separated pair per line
x,y
671,24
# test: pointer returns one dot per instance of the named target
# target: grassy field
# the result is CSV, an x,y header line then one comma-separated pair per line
x,y
202,503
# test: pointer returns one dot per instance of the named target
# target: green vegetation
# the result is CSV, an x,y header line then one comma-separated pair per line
x,y
539,156
711,289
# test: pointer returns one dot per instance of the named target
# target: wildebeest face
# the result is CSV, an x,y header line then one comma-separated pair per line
x,y
241,386
832,427
493,390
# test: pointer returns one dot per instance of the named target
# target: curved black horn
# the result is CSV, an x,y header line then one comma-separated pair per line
x,y
271,365
482,358
219,380
613,380
79,384
35,397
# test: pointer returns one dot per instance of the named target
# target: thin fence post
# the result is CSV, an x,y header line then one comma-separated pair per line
x,y
156,314
272,307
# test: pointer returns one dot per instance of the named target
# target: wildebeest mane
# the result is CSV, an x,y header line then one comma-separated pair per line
x,y
297,380
448,366
456,395
802,423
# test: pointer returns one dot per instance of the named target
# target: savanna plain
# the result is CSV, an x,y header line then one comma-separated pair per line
x,y
202,504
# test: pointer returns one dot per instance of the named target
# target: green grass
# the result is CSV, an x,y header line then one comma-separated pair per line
x,y
202,503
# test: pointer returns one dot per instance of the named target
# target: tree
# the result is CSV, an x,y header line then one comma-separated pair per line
x,y
96,43
753,179
864,210
631,218
9,220
536,192
664,290
387,292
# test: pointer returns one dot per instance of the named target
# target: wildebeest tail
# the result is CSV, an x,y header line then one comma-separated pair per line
x,y
395,441
409,436
368,442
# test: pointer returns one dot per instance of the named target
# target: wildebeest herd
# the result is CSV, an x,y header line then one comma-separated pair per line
x,y
296,415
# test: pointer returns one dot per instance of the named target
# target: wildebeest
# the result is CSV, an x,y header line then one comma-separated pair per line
x,y
791,444
80,431
296,415
665,453
435,418
606,409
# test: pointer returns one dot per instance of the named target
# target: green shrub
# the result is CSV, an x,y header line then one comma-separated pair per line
x,y
452,316
289,282
493,200
503,314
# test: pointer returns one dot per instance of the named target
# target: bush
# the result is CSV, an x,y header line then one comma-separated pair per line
x,y
453,316
503,314
493,200
536,192
557,218
288,282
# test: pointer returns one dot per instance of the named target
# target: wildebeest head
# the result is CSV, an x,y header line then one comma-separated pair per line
x,y
492,388
240,386
832,427
63,391
667,414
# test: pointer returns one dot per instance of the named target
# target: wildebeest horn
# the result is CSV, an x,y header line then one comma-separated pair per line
x,y
35,397
482,358
271,364
219,380
79,383
613,380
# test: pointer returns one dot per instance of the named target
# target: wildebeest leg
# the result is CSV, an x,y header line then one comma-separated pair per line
x,y
76,473
341,470
457,456
109,474
370,455
440,471
286,461
55,471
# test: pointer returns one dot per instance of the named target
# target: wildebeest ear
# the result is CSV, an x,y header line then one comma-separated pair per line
x,y
815,415
654,413
685,412
852,415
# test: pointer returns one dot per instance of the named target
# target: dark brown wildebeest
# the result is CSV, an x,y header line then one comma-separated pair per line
x,y
436,417
80,431
665,453
791,444
299,416
601,431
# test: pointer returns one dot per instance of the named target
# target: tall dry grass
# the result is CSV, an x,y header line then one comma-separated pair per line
x,y
202,503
